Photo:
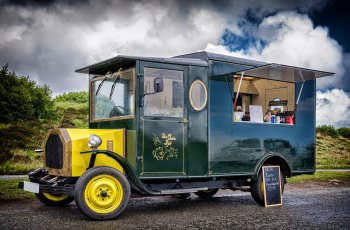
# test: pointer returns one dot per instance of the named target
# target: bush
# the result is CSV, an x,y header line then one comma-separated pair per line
x,y
80,124
73,97
345,132
328,130
22,99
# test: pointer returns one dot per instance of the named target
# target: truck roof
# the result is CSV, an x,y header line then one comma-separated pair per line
x,y
202,58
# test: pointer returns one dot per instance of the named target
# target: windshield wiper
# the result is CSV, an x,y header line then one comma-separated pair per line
x,y
115,82
101,83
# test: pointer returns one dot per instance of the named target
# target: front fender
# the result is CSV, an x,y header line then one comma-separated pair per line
x,y
129,171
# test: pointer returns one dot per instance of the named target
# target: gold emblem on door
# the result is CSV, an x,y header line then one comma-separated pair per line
x,y
163,148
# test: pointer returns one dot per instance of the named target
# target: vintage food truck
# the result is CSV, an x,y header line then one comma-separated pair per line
x,y
194,123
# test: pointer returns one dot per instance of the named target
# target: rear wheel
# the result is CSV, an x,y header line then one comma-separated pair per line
x,y
207,193
257,188
102,193
54,200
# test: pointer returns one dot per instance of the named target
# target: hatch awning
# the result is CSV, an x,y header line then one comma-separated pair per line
x,y
284,73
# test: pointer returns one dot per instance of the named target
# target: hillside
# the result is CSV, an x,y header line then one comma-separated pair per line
x,y
19,140
332,152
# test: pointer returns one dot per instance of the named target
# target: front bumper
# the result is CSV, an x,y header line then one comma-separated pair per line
x,y
41,182
41,188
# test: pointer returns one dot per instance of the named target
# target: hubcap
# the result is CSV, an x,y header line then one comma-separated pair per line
x,y
103,194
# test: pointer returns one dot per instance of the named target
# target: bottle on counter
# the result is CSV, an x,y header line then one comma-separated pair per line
x,y
273,118
278,119
283,118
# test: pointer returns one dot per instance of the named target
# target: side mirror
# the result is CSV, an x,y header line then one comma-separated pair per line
x,y
158,85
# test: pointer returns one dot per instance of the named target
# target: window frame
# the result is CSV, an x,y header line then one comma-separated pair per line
x,y
206,95
263,123
91,108
165,68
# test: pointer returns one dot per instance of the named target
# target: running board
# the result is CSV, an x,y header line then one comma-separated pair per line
x,y
179,191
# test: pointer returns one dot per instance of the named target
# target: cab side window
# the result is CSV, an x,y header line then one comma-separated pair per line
x,y
169,102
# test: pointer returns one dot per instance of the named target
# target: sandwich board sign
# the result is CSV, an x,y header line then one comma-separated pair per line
x,y
272,186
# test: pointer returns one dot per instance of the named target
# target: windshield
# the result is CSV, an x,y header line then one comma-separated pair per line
x,y
109,103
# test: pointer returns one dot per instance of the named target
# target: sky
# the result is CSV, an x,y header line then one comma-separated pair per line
x,y
49,40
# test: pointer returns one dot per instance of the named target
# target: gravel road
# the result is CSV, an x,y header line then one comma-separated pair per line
x,y
310,207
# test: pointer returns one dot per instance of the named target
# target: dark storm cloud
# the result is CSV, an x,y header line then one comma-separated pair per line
x,y
48,40
39,3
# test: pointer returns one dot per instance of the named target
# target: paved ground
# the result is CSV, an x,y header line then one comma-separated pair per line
x,y
304,207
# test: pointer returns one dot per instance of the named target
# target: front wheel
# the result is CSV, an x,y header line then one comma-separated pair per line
x,y
102,193
54,200
257,188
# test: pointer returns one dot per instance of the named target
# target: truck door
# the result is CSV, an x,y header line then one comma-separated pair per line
x,y
163,120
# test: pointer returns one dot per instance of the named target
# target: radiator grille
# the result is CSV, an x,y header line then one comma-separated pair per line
x,y
54,152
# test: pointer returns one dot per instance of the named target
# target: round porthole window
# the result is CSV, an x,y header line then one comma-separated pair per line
x,y
198,95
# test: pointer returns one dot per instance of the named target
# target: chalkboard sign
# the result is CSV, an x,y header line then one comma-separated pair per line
x,y
272,185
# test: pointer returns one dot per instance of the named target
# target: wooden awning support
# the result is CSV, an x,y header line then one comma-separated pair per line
x,y
237,94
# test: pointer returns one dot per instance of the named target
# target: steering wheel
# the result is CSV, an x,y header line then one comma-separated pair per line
x,y
117,111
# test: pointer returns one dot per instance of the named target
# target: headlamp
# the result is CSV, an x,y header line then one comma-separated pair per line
x,y
94,141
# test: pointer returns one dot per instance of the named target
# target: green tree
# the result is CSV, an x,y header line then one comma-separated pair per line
x,y
22,99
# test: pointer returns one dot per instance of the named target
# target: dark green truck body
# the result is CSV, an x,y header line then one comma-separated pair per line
x,y
208,143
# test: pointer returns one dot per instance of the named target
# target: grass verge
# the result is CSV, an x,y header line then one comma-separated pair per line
x,y
9,190
323,176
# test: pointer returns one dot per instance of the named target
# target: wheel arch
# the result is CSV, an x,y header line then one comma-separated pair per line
x,y
274,159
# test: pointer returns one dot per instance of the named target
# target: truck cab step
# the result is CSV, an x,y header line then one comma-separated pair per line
x,y
179,191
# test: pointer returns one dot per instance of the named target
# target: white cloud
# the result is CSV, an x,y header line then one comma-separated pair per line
x,y
333,107
292,39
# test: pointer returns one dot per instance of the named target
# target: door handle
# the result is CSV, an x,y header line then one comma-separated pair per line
x,y
139,158
184,121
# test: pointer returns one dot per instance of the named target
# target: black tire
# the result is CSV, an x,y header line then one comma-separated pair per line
x,y
206,194
53,200
256,188
102,193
